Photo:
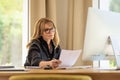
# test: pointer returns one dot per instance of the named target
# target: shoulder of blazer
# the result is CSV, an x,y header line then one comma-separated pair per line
x,y
37,43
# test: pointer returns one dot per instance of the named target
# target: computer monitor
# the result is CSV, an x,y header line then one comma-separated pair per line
x,y
100,25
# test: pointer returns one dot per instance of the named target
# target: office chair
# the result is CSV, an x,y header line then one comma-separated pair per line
x,y
49,77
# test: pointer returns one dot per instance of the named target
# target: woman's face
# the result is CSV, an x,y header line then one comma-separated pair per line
x,y
48,32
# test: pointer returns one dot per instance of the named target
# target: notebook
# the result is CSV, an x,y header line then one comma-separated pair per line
x,y
3,66
11,68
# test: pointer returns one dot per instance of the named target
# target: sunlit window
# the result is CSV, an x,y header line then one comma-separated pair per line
x,y
112,5
12,29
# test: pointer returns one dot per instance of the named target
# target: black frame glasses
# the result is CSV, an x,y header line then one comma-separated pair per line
x,y
48,30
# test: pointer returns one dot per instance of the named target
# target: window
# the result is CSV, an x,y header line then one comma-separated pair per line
x,y
13,23
109,5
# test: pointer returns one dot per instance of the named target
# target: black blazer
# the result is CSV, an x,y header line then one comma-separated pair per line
x,y
38,51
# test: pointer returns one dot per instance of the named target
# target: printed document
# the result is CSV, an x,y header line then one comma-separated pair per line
x,y
69,57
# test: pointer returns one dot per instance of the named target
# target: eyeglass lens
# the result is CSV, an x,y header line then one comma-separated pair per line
x,y
47,30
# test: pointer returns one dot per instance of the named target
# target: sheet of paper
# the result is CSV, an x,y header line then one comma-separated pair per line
x,y
69,57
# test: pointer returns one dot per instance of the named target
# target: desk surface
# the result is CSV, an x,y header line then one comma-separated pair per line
x,y
95,74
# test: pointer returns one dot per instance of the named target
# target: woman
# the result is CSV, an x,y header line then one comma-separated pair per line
x,y
44,46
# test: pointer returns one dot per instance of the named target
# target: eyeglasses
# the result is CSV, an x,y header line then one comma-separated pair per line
x,y
48,30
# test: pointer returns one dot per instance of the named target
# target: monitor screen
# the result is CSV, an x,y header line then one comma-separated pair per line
x,y
100,25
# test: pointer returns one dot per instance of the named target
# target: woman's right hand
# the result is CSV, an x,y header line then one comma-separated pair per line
x,y
54,63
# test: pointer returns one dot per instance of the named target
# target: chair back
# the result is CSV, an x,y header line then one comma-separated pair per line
x,y
50,77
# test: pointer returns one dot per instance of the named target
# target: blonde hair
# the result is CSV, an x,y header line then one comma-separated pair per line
x,y
38,30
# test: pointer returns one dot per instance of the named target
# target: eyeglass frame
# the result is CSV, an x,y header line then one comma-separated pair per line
x,y
48,30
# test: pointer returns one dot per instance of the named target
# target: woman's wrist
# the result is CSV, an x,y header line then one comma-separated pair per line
x,y
44,63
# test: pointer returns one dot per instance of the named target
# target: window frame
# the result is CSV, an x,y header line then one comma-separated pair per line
x,y
26,30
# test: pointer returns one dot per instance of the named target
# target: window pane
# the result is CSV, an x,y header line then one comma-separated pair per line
x,y
115,5
11,32
112,5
